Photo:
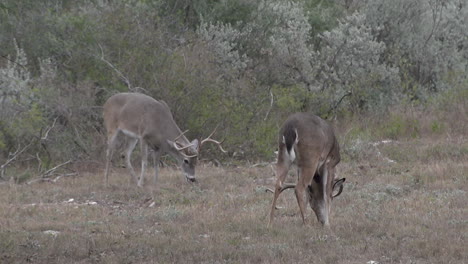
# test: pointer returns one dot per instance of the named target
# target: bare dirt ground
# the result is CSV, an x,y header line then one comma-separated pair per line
x,y
403,202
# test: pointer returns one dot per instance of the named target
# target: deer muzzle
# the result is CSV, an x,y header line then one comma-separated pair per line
x,y
190,178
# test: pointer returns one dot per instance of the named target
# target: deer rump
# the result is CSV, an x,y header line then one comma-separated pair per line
x,y
309,142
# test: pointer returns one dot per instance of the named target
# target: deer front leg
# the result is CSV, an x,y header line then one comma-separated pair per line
x,y
110,151
281,171
144,160
131,145
156,158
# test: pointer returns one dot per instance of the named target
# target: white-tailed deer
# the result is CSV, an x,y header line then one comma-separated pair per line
x,y
142,118
310,142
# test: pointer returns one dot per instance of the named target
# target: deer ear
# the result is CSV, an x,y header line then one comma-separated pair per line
x,y
173,144
170,142
338,187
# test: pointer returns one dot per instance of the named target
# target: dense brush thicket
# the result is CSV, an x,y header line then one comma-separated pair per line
x,y
242,64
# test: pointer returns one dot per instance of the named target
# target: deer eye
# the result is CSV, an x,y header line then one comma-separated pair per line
x,y
317,178
186,161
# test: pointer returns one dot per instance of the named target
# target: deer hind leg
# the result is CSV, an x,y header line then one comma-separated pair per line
x,y
144,160
281,171
299,191
111,143
305,176
130,147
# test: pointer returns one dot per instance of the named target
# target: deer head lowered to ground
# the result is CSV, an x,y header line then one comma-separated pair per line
x,y
144,119
310,142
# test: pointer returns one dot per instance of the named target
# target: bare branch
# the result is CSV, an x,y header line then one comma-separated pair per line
x,y
48,130
48,172
13,61
333,108
51,180
125,79
260,164
39,167
271,106
14,156
435,23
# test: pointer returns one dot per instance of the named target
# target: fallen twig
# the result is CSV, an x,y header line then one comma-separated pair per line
x,y
54,180
261,164
48,172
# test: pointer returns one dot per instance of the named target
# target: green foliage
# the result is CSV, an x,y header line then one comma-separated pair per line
x,y
397,126
29,123
322,16
290,99
22,176
432,53
6,137
243,65
437,127
264,137
231,12
446,100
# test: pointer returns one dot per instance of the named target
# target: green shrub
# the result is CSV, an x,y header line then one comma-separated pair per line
x,y
399,125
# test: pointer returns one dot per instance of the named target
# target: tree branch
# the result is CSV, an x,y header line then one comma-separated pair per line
x,y
333,108
125,79
48,130
15,155
271,106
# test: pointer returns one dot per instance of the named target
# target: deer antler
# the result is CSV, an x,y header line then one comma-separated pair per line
x,y
181,134
288,186
175,144
209,139
182,148
188,156
339,191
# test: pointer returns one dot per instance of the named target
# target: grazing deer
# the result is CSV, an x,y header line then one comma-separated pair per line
x,y
142,118
310,142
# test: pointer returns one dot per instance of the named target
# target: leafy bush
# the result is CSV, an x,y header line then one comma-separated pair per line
x,y
242,65
399,126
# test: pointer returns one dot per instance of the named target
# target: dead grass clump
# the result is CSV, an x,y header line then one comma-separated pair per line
x,y
411,210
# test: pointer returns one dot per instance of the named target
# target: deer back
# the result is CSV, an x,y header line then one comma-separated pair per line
x,y
143,116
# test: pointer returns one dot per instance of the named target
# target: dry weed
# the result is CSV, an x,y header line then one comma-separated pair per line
x,y
410,211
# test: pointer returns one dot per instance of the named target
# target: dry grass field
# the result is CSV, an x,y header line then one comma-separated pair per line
x,y
403,202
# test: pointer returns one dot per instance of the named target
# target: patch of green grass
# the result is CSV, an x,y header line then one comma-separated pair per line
x,y
437,127
399,125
